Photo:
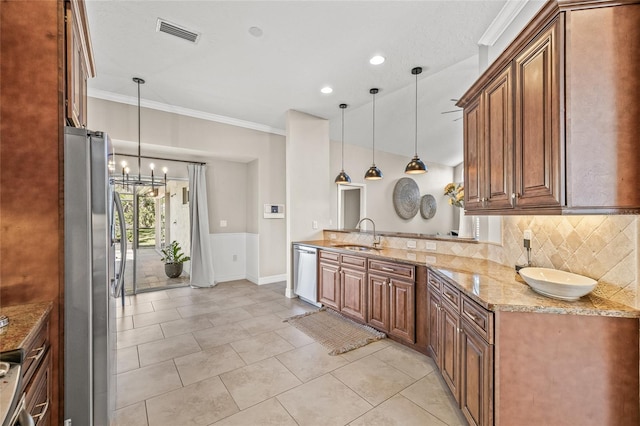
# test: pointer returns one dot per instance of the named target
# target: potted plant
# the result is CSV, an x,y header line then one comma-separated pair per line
x,y
173,259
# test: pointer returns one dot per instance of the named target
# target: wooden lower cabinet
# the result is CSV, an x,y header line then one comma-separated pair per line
x,y
378,313
353,297
463,356
391,306
329,285
38,393
476,377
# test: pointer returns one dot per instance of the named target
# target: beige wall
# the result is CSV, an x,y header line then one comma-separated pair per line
x,y
380,193
208,141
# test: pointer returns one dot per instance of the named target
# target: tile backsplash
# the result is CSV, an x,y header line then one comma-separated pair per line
x,y
605,248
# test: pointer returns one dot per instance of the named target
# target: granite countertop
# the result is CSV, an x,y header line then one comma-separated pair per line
x,y
495,287
22,320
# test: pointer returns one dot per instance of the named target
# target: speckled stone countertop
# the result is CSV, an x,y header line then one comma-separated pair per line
x,y
22,319
493,286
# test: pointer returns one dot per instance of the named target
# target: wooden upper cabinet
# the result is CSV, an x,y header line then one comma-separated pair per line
x,y
79,63
538,152
551,126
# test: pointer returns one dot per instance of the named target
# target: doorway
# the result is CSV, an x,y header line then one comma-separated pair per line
x,y
352,204
154,217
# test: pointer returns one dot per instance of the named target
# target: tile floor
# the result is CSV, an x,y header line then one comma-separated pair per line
x,y
150,271
223,356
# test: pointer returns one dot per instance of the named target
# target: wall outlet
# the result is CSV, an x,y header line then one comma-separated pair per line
x,y
411,244
332,236
411,256
527,234
223,224
314,224
430,245
430,260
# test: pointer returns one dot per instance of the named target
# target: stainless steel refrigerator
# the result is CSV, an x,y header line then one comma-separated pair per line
x,y
92,278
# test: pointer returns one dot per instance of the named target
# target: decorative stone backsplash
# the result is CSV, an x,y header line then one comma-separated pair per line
x,y
605,248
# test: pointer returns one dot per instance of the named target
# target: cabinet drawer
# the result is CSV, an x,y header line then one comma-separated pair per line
x,y
354,261
34,351
451,296
38,393
329,256
392,268
434,281
479,318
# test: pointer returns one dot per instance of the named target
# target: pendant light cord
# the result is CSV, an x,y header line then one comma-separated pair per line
x,y
416,139
342,139
374,130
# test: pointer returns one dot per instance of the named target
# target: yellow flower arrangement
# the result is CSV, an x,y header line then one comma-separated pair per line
x,y
455,192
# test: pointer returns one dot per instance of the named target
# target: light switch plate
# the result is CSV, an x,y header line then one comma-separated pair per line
x,y
430,245
223,224
411,244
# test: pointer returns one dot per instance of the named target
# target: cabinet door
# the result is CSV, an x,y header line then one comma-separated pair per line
x,y
75,77
402,312
476,384
498,142
449,339
538,160
433,312
353,298
378,307
473,152
329,288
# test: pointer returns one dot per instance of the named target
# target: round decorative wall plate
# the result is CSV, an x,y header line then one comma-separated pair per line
x,y
428,206
406,198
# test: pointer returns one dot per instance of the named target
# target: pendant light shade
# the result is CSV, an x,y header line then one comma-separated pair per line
x,y
416,166
342,177
374,172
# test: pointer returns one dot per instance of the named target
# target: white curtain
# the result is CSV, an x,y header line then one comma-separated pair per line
x,y
202,274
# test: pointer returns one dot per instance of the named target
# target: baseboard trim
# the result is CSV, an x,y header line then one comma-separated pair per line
x,y
272,279
226,278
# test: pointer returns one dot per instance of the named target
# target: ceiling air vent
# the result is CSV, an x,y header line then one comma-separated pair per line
x,y
177,31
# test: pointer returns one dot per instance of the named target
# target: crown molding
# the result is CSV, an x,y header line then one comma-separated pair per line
x,y
501,22
132,100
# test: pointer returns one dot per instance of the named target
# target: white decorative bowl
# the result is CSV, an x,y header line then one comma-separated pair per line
x,y
558,284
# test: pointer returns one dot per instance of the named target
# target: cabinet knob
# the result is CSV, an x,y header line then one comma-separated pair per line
x,y
515,195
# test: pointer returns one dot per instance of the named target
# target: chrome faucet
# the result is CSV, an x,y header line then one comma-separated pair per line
x,y
376,240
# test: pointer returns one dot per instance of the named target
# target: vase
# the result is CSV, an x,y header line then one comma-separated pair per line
x,y
465,229
173,270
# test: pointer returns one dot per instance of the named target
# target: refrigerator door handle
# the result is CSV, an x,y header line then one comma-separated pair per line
x,y
119,280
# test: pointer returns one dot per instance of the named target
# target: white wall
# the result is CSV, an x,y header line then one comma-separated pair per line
x,y
380,193
308,180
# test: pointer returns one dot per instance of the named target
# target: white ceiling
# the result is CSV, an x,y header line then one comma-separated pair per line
x,y
305,45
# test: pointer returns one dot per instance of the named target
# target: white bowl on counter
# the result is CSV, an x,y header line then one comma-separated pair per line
x,y
558,284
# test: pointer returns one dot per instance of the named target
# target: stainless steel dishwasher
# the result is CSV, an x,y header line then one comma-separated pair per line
x,y
305,273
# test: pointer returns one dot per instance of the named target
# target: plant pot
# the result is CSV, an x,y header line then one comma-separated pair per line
x,y
173,270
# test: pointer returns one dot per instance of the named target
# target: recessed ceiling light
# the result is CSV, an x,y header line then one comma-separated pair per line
x,y
326,90
255,31
376,60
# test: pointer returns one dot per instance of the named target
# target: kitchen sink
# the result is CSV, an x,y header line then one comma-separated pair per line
x,y
356,247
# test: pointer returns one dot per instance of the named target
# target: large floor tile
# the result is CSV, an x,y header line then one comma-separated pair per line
x,y
431,393
150,318
147,297
127,359
366,350
129,310
187,325
201,403
267,413
165,349
262,324
406,360
258,382
174,302
208,363
323,401
143,383
373,379
137,336
294,336
206,307
311,361
228,316
397,411
220,335
262,346
124,323
263,308
133,415
234,301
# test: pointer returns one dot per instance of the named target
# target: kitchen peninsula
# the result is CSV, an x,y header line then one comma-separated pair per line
x,y
509,355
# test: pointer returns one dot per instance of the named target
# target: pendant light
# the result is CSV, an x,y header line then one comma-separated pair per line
x,y
416,166
342,177
373,173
